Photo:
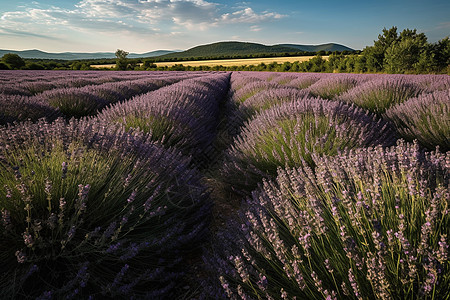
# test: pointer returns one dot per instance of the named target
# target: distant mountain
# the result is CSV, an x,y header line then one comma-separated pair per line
x,y
74,55
210,50
245,48
316,48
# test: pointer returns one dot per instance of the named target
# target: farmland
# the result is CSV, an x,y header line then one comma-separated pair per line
x,y
256,185
227,62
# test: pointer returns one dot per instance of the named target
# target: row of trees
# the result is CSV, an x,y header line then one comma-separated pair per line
x,y
11,61
393,52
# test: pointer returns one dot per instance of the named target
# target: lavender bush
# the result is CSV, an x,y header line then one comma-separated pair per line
x,y
73,102
15,108
183,115
432,83
303,81
91,211
377,95
370,223
333,85
269,98
251,89
289,134
425,118
283,78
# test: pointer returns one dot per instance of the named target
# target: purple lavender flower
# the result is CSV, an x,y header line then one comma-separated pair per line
x,y
380,93
92,207
367,236
425,118
289,135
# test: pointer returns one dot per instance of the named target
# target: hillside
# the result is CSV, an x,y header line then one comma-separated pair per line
x,y
216,50
74,55
245,48
316,48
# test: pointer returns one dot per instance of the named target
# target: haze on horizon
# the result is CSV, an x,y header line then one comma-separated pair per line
x,y
146,25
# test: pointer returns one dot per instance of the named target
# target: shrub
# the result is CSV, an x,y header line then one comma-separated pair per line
x,y
289,134
332,86
269,98
13,89
38,87
15,108
432,83
88,210
425,118
251,89
304,80
183,115
73,102
239,80
283,79
379,94
371,223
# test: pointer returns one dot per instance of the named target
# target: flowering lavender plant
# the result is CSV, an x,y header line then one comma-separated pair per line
x,y
425,118
289,134
15,108
333,85
304,80
73,102
377,95
270,97
371,223
183,115
251,89
88,210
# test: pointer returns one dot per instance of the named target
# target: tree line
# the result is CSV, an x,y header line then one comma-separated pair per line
x,y
406,52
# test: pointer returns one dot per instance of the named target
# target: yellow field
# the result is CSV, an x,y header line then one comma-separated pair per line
x,y
228,62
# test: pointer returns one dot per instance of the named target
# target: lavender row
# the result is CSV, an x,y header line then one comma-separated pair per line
x,y
91,211
290,133
425,118
183,115
370,223
376,93
30,83
76,102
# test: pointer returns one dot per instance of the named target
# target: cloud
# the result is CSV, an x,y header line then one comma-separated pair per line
x,y
247,15
135,17
12,32
255,28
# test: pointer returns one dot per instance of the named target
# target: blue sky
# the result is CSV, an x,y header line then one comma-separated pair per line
x,y
145,25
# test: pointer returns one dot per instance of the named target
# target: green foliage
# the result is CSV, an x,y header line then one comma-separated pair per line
x,y
14,61
122,61
34,66
148,64
3,66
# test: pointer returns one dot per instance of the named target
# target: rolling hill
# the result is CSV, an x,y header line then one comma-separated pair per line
x,y
219,49
245,48
74,56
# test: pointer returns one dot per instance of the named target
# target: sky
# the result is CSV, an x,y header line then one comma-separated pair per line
x,y
140,26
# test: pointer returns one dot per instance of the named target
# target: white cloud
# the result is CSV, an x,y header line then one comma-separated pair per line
x,y
255,28
141,19
247,15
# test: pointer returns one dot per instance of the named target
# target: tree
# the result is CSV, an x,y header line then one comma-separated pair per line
x,y
3,66
122,61
34,66
404,53
14,61
374,55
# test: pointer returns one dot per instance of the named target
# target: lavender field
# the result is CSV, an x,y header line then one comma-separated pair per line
x,y
224,185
